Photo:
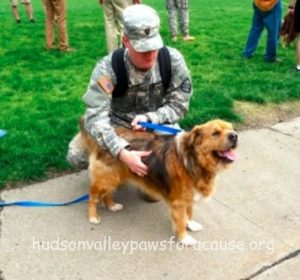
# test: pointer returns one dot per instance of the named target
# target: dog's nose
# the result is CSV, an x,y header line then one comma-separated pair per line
x,y
233,137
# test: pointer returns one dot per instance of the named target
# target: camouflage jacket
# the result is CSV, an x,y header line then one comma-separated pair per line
x,y
145,96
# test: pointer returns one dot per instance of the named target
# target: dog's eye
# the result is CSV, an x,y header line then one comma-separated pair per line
x,y
216,133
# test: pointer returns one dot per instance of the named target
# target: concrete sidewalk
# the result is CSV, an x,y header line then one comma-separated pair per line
x,y
251,226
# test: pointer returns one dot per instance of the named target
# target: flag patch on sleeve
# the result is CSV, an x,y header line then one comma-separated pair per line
x,y
106,85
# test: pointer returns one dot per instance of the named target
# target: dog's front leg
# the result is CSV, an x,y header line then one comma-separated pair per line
x,y
206,188
179,221
191,224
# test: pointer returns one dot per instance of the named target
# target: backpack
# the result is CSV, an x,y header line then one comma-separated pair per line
x,y
118,65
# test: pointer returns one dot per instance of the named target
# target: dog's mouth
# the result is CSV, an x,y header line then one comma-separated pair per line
x,y
226,156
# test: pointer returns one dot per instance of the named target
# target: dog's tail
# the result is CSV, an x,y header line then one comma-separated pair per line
x,y
88,142
81,125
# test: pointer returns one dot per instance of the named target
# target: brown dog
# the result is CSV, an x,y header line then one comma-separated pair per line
x,y
178,167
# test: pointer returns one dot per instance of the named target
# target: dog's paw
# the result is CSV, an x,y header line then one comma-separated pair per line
x,y
95,220
197,197
188,240
206,199
116,207
193,226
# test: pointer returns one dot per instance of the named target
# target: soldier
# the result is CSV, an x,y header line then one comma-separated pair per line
x,y
113,10
181,7
145,99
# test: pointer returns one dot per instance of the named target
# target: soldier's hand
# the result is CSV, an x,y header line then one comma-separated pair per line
x,y
133,159
136,120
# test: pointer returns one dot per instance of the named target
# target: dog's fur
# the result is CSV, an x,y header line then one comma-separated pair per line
x,y
287,29
178,167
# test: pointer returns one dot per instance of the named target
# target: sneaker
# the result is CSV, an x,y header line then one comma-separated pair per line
x,y
68,50
18,21
32,20
188,38
298,68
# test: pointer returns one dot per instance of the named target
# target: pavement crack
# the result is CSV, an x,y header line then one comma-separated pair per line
x,y
249,221
283,133
268,267
240,215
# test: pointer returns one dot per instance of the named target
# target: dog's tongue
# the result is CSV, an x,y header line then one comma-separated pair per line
x,y
230,155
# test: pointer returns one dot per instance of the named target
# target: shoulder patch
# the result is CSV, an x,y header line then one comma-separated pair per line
x,y
106,85
186,86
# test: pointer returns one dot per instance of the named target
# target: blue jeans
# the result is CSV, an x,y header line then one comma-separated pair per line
x,y
271,20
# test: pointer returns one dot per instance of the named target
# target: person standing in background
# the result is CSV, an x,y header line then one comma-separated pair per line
x,y
294,8
28,8
266,14
113,10
182,8
56,10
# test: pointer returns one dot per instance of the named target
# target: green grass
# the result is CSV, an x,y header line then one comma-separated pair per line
x,y
40,92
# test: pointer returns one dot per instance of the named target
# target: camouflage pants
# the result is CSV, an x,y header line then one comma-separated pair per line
x,y
180,7
77,155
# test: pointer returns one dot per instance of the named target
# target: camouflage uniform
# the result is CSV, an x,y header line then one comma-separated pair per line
x,y
180,6
145,96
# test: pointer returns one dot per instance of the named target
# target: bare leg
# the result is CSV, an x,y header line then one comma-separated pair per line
x,y
29,11
16,13
298,52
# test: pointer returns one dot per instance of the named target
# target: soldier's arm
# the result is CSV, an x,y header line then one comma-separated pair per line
x,y
97,99
178,93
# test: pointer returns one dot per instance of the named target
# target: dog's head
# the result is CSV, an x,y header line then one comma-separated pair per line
x,y
209,146
218,139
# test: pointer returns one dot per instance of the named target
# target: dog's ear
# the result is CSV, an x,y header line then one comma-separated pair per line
x,y
196,135
189,145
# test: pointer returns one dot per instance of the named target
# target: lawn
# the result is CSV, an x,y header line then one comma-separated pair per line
x,y
40,92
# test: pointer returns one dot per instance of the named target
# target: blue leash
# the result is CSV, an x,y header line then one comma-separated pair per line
x,y
44,204
2,133
85,197
160,127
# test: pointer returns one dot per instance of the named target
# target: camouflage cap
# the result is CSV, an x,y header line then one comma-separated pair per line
x,y
141,27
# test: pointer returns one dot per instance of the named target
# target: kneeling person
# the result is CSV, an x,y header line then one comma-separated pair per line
x,y
144,96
